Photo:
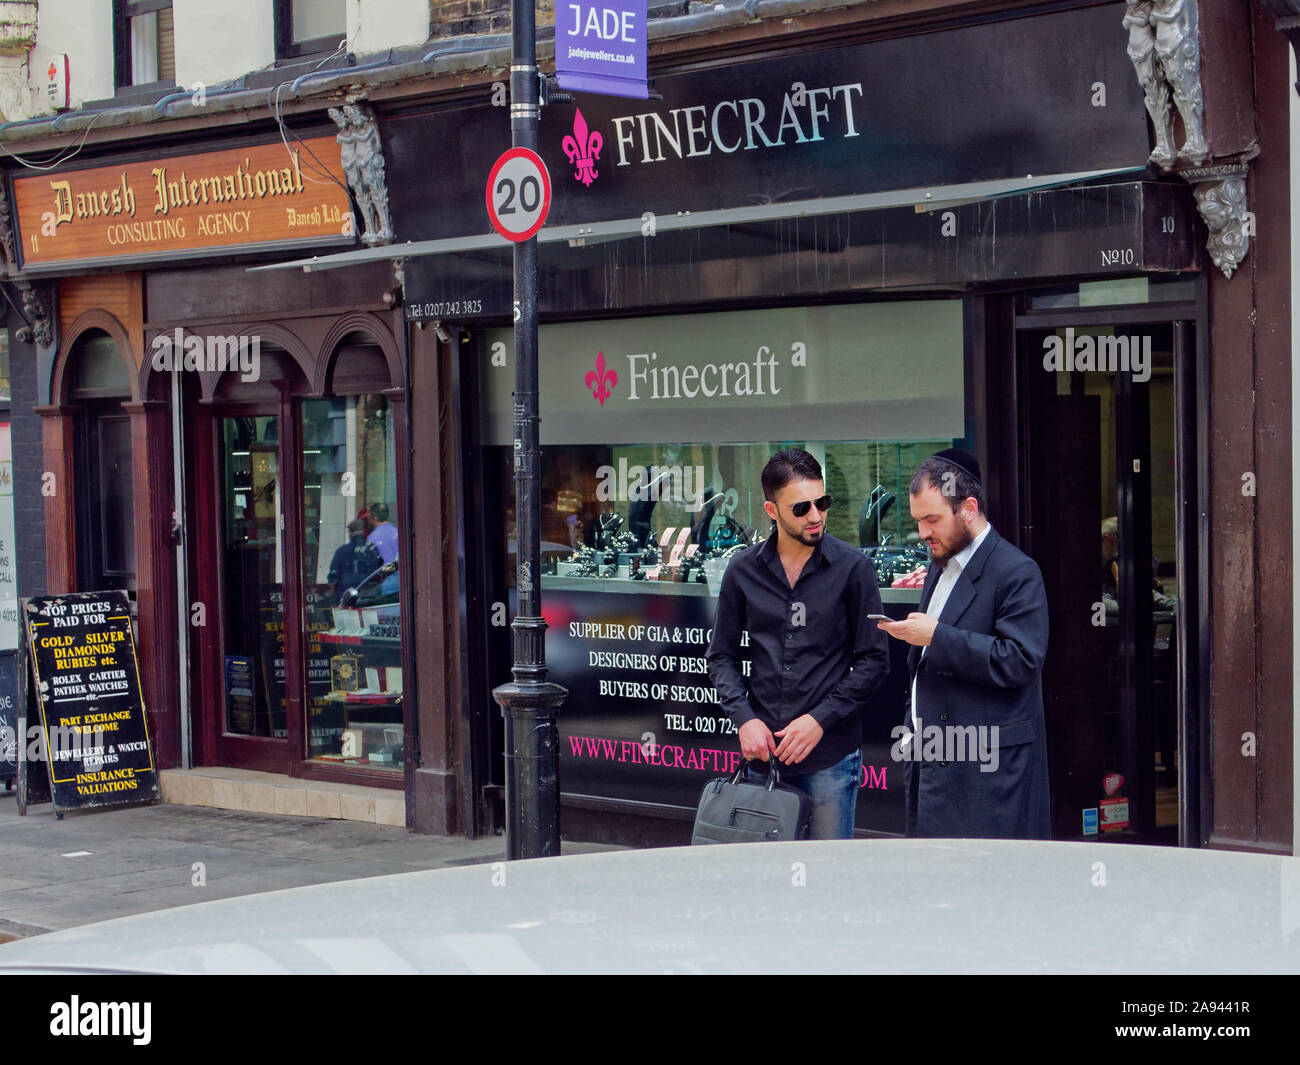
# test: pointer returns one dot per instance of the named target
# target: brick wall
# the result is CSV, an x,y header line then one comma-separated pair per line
x,y
456,18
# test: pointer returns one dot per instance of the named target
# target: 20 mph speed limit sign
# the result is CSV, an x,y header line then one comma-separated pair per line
x,y
518,194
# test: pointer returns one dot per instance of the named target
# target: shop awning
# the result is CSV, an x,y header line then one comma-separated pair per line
x,y
933,198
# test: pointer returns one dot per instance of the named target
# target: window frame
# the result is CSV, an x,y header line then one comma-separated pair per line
x,y
285,46
123,12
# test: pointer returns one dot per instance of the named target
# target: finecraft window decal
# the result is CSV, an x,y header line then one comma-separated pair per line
x,y
880,371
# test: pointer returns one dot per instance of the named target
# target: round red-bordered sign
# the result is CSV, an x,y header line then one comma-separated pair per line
x,y
518,194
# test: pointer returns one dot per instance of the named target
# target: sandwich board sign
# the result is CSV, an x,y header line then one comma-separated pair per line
x,y
91,740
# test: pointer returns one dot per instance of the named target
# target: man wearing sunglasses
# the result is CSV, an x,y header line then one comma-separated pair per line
x,y
804,597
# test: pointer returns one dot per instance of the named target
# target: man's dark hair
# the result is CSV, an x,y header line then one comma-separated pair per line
x,y
789,464
953,483
379,511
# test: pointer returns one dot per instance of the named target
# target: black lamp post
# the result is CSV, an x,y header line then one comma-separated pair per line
x,y
529,703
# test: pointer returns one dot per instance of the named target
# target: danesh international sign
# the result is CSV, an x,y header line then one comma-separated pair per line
x,y
246,199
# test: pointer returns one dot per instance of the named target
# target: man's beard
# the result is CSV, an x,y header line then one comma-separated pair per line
x,y
962,539
803,538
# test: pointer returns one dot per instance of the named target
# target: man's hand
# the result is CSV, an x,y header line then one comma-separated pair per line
x,y
799,738
756,740
916,629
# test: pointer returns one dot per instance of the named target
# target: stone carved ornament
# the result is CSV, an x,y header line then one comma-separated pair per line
x,y
1222,202
1166,52
1164,47
7,233
38,303
362,156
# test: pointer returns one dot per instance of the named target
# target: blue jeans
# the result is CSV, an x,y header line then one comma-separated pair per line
x,y
833,795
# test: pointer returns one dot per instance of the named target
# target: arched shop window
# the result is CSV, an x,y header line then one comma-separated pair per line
x,y
351,564
255,551
98,369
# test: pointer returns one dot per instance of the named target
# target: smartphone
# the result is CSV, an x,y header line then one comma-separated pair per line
x,y
880,617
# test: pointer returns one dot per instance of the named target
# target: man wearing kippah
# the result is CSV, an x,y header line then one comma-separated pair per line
x,y
972,744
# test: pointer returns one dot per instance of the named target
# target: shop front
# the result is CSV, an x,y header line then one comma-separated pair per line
x,y
651,483
840,247
655,431
230,450
296,492
870,233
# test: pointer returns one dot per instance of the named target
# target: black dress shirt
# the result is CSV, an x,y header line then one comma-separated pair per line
x,y
812,647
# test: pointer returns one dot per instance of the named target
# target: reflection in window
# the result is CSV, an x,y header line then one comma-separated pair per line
x,y
254,673
307,26
678,511
313,19
98,368
352,579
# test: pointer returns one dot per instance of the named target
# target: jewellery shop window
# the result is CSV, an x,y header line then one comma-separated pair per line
x,y
667,518
352,582
691,407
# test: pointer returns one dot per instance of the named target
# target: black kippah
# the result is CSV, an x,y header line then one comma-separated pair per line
x,y
963,460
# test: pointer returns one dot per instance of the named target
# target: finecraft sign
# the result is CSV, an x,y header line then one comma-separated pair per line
x,y
903,113
733,125
887,371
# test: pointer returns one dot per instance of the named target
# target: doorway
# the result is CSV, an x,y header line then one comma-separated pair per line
x,y
242,646
296,562
252,572
105,540
1105,474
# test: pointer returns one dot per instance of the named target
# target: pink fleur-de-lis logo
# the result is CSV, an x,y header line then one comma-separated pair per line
x,y
583,149
600,380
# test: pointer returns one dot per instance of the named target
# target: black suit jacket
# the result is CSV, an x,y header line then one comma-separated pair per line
x,y
981,680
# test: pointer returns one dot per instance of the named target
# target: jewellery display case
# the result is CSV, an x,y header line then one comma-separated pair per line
x,y
365,685
667,519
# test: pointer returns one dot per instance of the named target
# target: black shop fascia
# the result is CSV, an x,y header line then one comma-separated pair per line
x,y
780,250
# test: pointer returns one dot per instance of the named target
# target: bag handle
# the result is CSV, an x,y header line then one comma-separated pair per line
x,y
773,774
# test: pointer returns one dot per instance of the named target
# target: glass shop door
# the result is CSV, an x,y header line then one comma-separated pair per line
x,y
1099,450
253,703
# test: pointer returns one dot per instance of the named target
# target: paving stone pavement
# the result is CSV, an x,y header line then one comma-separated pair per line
x,y
94,866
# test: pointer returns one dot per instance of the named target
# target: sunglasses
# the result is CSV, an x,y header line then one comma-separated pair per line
x,y
801,508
